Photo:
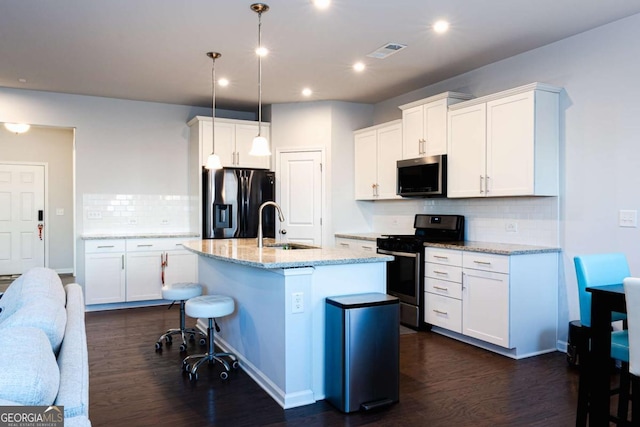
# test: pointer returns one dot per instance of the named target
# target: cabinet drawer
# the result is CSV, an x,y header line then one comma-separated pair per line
x,y
166,244
443,287
104,246
486,262
443,272
443,256
443,311
356,244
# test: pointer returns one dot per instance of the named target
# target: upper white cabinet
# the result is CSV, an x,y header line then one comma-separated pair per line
x,y
505,144
424,125
233,141
377,149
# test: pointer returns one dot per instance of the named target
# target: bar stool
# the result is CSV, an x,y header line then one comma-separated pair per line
x,y
209,307
181,292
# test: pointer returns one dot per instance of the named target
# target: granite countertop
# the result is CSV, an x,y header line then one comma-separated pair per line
x,y
246,252
494,248
136,235
359,236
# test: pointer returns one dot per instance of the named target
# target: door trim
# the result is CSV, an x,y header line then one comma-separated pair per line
x,y
323,184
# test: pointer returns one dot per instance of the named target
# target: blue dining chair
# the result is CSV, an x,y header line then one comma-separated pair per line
x,y
597,270
632,296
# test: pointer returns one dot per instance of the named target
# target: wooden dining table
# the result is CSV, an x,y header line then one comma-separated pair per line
x,y
604,300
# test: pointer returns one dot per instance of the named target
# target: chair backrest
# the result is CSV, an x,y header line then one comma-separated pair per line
x,y
632,295
597,270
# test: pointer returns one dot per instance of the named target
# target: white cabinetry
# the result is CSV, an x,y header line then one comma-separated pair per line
x,y
104,271
377,149
233,141
357,244
505,303
127,270
505,144
424,125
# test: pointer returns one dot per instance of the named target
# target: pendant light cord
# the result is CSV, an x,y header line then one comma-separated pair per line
x,y
260,74
213,105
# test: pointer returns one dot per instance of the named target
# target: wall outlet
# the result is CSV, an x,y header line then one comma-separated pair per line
x,y
297,302
511,227
94,215
628,218
132,221
164,222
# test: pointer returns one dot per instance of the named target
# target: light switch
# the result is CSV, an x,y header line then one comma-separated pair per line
x,y
60,211
628,218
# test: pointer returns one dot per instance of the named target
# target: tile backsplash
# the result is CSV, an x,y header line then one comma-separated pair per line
x,y
522,220
108,213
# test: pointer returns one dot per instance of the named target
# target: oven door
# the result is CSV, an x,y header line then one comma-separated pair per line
x,y
403,281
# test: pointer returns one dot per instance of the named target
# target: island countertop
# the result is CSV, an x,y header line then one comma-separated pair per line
x,y
246,252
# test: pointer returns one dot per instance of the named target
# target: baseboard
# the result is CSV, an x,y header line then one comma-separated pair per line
x,y
68,270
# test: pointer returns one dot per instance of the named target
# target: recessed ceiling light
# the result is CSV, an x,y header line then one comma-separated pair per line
x,y
358,66
441,26
223,82
306,91
262,51
322,4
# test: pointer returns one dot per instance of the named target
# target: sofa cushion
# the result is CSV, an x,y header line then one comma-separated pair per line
x,y
73,359
42,314
29,374
38,283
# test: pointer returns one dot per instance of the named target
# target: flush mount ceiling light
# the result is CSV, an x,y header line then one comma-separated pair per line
x,y
359,67
223,82
322,4
306,91
213,161
441,26
260,145
17,127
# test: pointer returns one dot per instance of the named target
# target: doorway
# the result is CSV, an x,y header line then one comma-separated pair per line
x,y
300,192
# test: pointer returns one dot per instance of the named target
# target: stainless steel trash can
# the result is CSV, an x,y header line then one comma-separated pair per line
x,y
362,360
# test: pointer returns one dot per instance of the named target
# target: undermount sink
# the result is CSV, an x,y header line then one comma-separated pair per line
x,y
290,246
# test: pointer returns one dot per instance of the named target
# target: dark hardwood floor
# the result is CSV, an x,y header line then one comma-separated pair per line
x,y
442,383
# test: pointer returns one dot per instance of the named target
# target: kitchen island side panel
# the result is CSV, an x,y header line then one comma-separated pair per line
x,y
281,350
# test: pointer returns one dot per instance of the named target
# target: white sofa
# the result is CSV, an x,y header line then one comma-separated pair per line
x,y
43,345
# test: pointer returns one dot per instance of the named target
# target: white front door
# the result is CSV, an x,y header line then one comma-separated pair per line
x,y
300,196
21,229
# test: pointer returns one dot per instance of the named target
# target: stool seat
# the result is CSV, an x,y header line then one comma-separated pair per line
x,y
209,306
181,291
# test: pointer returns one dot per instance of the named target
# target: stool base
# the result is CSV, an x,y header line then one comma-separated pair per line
x,y
183,332
211,356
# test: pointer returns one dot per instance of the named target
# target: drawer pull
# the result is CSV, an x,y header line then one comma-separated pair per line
x,y
440,257
482,262
366,248
440,272
344,245
105,246
144,246
440,288
444,313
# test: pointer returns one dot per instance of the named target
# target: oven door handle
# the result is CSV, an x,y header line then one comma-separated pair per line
x,y
405,254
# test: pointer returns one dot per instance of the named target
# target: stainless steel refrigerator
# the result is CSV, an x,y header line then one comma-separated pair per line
x,y
231,198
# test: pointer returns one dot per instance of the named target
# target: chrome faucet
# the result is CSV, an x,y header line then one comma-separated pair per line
x,y
280,216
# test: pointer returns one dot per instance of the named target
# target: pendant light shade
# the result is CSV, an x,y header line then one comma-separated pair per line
x,y
260,145
213,161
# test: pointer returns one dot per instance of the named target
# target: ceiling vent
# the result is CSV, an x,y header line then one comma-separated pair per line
x,y
387,50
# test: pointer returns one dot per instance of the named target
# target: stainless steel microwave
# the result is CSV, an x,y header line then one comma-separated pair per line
x,y
422,177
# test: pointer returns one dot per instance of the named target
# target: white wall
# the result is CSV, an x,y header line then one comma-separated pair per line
x,y
599,131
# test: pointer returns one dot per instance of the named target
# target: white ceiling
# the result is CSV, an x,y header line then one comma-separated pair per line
x,y
155,50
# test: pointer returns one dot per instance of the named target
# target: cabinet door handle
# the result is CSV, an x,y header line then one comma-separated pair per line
x,y
105,246
444,313
487,185
237,157
481,186
440,288
122,262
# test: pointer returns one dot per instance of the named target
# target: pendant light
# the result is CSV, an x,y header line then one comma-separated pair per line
x,y
17,127
260,145
213,161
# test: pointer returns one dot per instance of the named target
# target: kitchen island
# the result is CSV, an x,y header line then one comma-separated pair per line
x,y
278,327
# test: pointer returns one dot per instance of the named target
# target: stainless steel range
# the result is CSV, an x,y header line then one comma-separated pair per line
x,y
405,274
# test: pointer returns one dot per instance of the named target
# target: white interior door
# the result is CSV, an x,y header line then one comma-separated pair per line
x,y
300,197
21,199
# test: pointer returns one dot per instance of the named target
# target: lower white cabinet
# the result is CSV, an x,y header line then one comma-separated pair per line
x,y
507,301
126,270
104,271
359,244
